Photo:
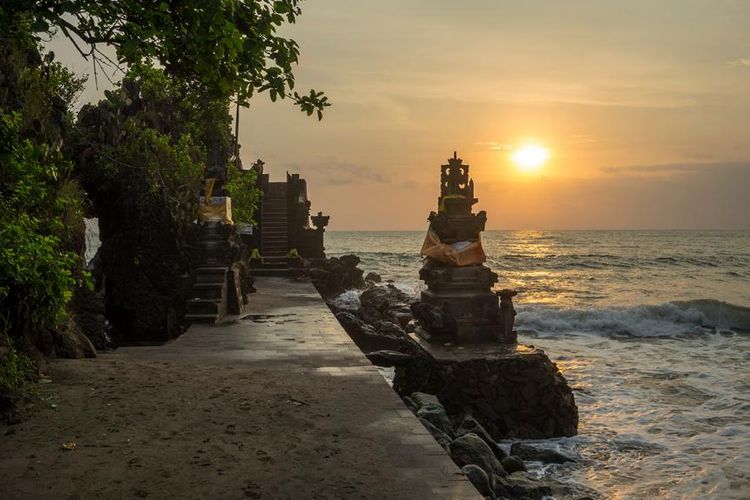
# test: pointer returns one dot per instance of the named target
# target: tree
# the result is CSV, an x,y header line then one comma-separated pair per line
x,y
140,154
222,48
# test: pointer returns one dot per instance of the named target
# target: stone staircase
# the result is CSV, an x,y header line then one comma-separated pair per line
x,y
208,298
209,295
275,241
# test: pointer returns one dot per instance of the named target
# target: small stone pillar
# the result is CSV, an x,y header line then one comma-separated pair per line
x,y
320,221
507,315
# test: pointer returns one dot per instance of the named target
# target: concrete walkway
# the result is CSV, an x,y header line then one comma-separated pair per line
x,y
280,404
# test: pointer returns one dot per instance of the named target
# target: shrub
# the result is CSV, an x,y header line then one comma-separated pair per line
x,y
37,273
245,194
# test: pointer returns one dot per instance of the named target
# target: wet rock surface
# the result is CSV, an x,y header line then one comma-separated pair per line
x,y
479,479
367,338
385,303
469,425
441,437
435,415
373,277
513,464
336,275
471,449
389,358
493,473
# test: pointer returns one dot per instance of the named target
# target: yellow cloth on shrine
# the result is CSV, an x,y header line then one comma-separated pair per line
x,y
209,188
216,208
459,254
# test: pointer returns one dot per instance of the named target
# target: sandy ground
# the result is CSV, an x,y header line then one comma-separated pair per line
x,y
212,415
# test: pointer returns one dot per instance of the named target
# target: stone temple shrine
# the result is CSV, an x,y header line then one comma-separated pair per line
x,y
457,280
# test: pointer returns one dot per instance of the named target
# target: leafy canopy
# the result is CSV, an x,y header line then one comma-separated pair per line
x,y
223,48
140,151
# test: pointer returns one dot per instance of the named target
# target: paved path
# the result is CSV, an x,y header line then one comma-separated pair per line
x,y
280,404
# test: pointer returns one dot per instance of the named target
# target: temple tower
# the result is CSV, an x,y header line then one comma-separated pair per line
x,y
457,280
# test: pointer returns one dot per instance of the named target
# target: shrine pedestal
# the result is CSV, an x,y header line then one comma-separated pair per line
x,y
514,391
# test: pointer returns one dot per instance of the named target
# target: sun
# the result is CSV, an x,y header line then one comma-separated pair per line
x,y
530,157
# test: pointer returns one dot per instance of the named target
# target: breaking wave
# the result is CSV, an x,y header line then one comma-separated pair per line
x,y
349,300
663,320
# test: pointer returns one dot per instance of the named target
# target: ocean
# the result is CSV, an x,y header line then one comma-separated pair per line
x,y
651,330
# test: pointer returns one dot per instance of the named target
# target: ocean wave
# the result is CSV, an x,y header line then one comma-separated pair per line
x,y
605,261
663,320
719,314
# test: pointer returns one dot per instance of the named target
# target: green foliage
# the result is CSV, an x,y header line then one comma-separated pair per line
x,y
15,369
37,273
37,87
150,171
245,194
141,148
221,48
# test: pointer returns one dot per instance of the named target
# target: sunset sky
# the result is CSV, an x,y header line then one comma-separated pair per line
x,y
643,106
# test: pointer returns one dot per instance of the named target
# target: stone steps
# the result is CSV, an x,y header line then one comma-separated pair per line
x,y
208,302
275,235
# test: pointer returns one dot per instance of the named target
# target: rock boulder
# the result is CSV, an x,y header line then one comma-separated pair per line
x,y
471,449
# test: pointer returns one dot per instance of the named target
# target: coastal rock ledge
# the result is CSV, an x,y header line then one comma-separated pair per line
x,y
512,391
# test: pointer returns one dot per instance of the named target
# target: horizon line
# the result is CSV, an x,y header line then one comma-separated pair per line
x,y
536,229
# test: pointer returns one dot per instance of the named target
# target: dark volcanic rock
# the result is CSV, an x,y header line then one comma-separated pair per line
x,y
471,449
353,325
410,404
337,275
479,479
513,464
511,392
365,336
373,277
350,260
435,414
88,309
528,452
383,303
441,437
389,329
389,358
520,485
470,425
423,399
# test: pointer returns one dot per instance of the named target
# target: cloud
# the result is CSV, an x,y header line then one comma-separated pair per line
x,y
740,62
668,169
496,146
339,173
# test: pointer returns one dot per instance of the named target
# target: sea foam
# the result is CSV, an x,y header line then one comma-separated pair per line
x,y
662,320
